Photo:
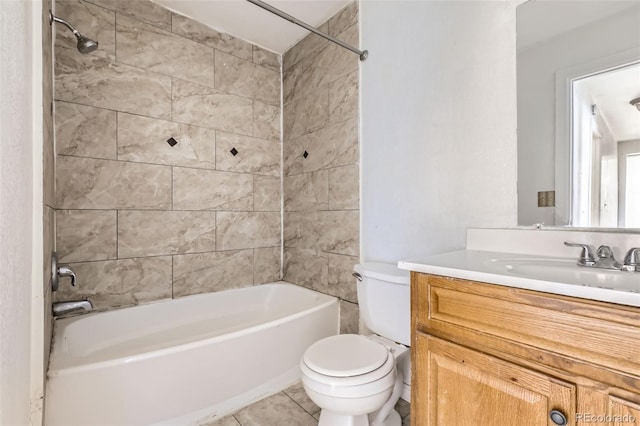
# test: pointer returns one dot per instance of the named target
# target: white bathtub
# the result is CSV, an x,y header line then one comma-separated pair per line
x,y
183,361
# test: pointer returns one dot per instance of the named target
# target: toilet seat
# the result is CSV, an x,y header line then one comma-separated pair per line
x,y
345,355
338,356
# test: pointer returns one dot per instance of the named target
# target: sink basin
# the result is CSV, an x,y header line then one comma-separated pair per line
x,y
557,275
566,271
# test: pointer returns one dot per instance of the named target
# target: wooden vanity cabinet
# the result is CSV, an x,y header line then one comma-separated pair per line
x,y
490,355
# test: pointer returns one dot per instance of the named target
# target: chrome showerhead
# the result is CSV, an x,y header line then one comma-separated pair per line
x,y
85,44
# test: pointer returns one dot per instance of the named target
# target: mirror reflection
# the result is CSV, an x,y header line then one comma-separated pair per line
x,y
578,113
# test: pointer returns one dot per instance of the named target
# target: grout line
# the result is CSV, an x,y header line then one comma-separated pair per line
x,y
176,121
117,235
137,209
218,91
227,251
173,165
282,223
296,402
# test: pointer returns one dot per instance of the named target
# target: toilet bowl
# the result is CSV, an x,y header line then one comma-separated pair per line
x,y
354,379
357,380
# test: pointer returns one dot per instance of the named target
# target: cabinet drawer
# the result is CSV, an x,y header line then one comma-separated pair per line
x,y
595,332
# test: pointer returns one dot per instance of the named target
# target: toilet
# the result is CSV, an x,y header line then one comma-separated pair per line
x,y
356,380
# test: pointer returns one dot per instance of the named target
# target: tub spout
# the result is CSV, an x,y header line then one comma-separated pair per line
x,y
61,308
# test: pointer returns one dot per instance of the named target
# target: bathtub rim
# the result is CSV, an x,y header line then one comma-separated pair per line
x,y
57,372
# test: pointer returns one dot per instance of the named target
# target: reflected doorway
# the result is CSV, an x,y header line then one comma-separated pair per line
x,y
605,149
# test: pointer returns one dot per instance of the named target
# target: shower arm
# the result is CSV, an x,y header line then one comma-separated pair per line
x,y
53,18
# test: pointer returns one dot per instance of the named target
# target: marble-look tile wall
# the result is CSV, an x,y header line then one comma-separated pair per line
x,y
321,188
138,219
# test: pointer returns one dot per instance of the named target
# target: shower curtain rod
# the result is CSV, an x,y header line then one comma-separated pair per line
x,y
362,53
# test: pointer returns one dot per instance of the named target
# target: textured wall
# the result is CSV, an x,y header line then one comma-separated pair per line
x,y
140,220
321,189
17,177
439,120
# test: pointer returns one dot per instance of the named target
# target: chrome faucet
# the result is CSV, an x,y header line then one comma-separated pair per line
x,y
61,308
604,258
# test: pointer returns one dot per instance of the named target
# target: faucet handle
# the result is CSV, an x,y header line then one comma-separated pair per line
x,y
604,252
632,259
66,271
586,255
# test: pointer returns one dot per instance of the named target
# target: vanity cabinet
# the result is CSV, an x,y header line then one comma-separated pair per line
x,y
491,355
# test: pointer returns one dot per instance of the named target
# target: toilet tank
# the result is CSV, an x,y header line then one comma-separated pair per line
x,y
384,299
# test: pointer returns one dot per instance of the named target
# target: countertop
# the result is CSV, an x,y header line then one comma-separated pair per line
x,y
547,274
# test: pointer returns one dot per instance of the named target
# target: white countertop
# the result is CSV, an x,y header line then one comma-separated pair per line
x,y
547,274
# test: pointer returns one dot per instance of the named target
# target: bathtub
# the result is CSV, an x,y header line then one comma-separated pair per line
x,y
185,361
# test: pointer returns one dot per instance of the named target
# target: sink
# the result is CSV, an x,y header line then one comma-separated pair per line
x,y
557,275
566,271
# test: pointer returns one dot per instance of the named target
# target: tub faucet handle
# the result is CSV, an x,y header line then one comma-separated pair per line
x,y
66,271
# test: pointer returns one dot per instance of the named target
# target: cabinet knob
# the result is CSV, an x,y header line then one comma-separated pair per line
x,y
557,417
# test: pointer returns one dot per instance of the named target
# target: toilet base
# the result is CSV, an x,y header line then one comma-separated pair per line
x,y
329,418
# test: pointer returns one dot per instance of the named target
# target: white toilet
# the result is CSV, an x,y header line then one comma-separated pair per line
x,y
357,380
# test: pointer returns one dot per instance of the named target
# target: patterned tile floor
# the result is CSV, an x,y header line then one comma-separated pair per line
x,y
291,407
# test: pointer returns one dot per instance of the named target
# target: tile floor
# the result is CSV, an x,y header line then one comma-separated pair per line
x,y
291,407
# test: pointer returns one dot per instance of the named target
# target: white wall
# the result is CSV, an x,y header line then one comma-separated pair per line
x,y
438,99
537,66
20,216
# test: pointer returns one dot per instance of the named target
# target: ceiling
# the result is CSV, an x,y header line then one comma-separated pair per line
x,y
611,92
249,22
562,16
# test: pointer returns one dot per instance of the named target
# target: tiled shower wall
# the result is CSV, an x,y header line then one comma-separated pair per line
x,y
140,220
321,173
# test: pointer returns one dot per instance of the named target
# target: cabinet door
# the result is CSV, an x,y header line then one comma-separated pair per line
x,y
623,412
457,386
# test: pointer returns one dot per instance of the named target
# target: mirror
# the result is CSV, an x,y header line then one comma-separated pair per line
x,y
578,132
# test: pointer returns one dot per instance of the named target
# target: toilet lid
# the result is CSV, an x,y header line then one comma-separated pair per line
x,y
345,355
